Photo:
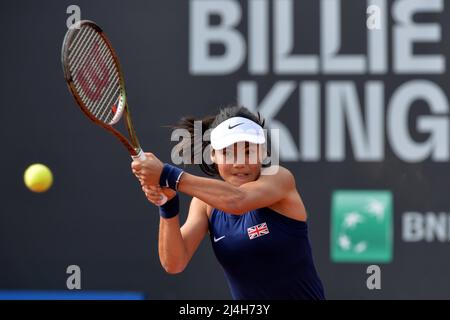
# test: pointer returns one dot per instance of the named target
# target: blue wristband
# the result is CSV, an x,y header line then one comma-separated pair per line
x,y
170,209
170,176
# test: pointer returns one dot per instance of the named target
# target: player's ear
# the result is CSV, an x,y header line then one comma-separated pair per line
x,y
212,155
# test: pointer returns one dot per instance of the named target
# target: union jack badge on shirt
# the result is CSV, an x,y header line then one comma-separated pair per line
x,y
257,231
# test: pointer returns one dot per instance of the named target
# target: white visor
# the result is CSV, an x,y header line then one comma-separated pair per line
x,y
234,130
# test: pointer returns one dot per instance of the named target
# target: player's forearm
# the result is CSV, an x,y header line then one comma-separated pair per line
x,y
171,247
219,194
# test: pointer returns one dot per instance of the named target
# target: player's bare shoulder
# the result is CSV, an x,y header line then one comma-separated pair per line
x,y
292,204
279,175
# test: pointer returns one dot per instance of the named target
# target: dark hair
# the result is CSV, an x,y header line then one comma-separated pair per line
x,y
210,122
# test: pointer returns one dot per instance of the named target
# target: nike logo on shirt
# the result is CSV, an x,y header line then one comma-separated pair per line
x,y
218,239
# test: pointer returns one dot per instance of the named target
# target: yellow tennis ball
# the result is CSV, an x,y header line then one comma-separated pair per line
x,y
38,177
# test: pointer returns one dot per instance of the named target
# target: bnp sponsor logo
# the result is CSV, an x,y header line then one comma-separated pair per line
x,y
361,226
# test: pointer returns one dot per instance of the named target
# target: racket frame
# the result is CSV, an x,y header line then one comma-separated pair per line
x,y
132,146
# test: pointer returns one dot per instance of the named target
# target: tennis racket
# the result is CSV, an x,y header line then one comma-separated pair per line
x,y
95,79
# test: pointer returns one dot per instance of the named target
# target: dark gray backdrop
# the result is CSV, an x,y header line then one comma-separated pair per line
x,y
95,215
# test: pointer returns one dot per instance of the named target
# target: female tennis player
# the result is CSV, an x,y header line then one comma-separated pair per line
x,y
256,222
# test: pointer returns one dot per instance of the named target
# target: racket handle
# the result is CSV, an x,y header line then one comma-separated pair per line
x,y
141,156
163,199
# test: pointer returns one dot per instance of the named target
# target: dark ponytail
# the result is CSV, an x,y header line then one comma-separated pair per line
x,y
211,122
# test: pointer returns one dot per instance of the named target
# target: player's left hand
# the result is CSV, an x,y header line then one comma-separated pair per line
x,y
154,194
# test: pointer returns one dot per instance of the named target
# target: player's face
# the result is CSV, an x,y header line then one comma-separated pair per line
x,y
239,163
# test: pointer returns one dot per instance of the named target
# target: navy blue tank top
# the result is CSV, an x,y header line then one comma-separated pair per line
x,y
265,255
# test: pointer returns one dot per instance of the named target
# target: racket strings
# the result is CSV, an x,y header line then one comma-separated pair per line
x,y
77,55
99,107
80,58
94,73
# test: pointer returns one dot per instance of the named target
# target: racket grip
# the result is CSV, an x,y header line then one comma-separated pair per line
x,y
141,156
163,199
